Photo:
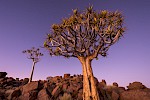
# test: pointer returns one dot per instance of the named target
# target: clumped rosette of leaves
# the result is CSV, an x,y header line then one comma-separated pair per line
x,y
33,53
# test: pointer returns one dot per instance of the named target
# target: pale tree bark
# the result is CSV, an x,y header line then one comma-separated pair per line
x,y
30,80
90,91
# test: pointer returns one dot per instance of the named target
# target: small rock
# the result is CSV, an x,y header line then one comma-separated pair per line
x,y
115,84
102,84
17,79
66,75
9,80
25,81
33,95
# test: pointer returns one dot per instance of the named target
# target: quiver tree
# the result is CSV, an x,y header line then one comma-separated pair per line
x,y
85,35
33,54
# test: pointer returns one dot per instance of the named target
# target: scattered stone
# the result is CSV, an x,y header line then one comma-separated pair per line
x,y
3,74
114,95
25,81
141,94
136,85
43,95
115,84
67,88
66,75
102,84
56,91
17,79
14,94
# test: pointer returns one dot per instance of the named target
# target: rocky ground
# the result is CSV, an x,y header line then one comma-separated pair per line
x,y
66,88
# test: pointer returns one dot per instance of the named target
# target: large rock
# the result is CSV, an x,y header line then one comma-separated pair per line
x,y
9,92
24,96
56,91
31,95
80,95
114,95
49,86
14,94
65,87
136,85
44,95
56,79
30,86
143,94
3,74
2,94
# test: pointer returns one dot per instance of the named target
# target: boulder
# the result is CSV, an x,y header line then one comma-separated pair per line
x,y
143,94
33,94
24,96
102,84
121,89
17,79
14,94
43,95
115,84
10,80
56,79
136,85
49,78
9,92
49,86
3,74
25,81
2,92
56,91
114,95
66,75
79,95
30,86
65,87
2,79
2,95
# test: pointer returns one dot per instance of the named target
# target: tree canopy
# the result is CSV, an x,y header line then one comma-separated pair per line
x,y
85,34
33,54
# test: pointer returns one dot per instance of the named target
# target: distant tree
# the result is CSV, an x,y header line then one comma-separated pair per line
x,y
85,35
33,54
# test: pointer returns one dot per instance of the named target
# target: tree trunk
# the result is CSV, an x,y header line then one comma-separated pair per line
x,y
89,87
30,80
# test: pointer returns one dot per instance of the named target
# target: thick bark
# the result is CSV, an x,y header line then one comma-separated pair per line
x,y
89,87
30,80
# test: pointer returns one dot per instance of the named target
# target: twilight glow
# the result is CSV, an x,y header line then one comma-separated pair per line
x,y
24,24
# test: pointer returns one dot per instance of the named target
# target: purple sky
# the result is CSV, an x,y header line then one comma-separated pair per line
x,y
25,23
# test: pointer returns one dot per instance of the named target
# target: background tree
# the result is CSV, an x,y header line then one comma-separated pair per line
x,y
85,35
33,54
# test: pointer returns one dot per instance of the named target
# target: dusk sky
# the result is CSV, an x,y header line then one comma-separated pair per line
x,y
25,23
